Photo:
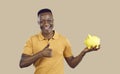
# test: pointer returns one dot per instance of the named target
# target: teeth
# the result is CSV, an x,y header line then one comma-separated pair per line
x,y
47,27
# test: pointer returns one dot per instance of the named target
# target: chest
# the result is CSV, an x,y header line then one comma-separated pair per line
x,y
57,46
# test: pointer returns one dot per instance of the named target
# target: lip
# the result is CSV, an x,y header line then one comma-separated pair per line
x,y
46,28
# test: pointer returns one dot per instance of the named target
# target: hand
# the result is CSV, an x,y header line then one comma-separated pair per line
x,y
91,49
47,52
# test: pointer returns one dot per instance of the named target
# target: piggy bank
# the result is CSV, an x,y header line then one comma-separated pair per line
x,y
92,41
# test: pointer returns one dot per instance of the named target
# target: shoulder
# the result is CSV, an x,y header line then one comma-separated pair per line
x,y
34,36
61,36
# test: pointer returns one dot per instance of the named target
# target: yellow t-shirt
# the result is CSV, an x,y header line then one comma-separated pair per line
x,y
60,48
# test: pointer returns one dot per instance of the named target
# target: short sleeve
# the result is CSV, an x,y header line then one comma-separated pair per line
x,y
28,47
67,50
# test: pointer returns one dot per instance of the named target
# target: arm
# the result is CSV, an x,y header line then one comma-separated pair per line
x,y
74,61
27,60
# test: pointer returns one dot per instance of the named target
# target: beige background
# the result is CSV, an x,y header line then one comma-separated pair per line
x,y
74,19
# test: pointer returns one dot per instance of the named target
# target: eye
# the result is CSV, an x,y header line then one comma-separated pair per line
x,y
41,21
49,21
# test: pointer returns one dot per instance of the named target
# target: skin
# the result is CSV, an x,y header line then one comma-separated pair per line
x,y
46,26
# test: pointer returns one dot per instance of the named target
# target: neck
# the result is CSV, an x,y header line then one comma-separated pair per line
x,y
48,35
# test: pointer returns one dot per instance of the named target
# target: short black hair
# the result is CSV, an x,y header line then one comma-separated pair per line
x,y
43,11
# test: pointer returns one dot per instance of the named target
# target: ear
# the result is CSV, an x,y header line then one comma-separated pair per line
x,y
38,21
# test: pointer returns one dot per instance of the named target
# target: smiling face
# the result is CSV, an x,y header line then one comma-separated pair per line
x,y
46,22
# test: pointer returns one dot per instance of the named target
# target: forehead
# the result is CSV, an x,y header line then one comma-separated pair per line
x,y
46,15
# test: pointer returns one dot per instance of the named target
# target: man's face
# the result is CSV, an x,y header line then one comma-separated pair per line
x,y
46,22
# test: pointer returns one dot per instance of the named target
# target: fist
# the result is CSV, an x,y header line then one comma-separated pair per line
x,y
47,52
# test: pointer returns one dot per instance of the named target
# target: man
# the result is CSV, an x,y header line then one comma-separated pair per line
x,y
47,50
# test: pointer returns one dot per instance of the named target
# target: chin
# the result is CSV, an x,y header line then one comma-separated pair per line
x,y
47,32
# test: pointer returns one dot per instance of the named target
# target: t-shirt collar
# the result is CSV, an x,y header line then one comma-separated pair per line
x,y
41,37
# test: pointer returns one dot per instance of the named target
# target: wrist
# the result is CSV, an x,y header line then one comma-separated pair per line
x,y
41,54
84,52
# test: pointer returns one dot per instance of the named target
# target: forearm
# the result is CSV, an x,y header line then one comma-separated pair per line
x,y
76,60
26,61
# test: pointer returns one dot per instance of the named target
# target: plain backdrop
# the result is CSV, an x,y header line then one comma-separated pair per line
x,y
74,19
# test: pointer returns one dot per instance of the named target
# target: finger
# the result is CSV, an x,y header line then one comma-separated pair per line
x,y
50,53
92,47
99,46
95,46
47,45
50,49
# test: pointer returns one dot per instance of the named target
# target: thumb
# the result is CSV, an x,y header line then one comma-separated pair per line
x,y
47,45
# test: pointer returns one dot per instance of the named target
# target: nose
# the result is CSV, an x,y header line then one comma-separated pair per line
x,y
46,23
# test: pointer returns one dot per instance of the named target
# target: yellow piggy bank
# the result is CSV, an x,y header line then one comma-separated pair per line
x,y
92,41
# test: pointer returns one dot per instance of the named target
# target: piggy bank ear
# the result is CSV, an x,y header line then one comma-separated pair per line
x,y
89,36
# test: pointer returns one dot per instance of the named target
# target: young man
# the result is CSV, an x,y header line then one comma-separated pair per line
x,y
47,50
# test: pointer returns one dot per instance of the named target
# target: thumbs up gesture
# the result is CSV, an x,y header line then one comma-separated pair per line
x,y
47,52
